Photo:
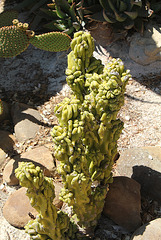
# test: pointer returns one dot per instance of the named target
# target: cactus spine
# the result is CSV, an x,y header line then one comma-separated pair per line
x,y
86,137
49,223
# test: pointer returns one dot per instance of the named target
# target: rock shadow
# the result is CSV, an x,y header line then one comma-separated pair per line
x,y
150,181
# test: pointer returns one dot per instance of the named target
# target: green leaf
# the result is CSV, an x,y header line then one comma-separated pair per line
x,y
119,17
132,15
108,18
137,3
123,6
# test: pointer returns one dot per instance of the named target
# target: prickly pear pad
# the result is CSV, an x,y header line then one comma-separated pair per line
x,y
53,42
13,41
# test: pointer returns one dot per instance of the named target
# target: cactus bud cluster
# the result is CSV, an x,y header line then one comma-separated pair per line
x,y
49,223
86,137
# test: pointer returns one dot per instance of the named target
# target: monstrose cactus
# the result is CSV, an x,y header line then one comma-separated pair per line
x,y
86,137
85,144
15,39
49,223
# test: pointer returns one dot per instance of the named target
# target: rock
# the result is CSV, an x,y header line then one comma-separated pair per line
x,y
57,202
123,203
26,121
18,214
17,208
146,49
149,231
6,112
7,141
9,173
40,156
144,166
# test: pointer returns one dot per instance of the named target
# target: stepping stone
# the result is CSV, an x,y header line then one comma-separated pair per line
x,y
149,231
40,156
7,141
9,173
146,49
123,203
17,207
26,121
144,166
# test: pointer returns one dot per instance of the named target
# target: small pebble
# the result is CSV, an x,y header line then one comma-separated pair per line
x,y
127,118
150,157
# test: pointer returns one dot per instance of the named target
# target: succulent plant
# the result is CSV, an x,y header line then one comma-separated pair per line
x,y
63,16
49,223
121,12
15,39
86,137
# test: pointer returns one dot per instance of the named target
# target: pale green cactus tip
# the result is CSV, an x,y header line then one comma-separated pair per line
x,y
29,175
49,223
86,137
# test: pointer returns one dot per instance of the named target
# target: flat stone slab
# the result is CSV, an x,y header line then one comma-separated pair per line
x,y
144,166
18,210
146,49
149,231
7,141
26,121
40,156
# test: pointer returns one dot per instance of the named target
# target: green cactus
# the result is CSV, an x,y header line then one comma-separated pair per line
x,y
1,107
86,137
49,223
15,39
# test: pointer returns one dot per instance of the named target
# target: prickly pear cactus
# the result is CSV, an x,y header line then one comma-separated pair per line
x,y
15,39
86,137
49,223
